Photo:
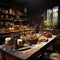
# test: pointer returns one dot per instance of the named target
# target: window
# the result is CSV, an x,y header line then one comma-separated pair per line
x,y
52,16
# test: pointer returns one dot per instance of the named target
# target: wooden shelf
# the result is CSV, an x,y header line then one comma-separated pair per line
x,y
2,13
9,15
6,20
8,5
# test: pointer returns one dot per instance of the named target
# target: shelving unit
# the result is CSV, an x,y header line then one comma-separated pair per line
x,y
10,14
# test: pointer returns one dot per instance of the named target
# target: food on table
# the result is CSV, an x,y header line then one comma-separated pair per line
x,y
32,38
47,34
43,38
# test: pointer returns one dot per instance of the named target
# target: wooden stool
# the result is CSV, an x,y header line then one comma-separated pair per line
x,y
54,56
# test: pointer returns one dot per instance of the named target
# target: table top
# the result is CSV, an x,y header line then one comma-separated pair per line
x,y
30,53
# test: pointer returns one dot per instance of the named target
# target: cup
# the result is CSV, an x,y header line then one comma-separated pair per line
x,y
7,40
19,42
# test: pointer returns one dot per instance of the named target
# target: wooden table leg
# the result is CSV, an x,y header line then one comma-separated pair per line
x,y
53,45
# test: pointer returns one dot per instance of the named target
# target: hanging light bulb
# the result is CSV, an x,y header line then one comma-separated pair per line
x,y
25,10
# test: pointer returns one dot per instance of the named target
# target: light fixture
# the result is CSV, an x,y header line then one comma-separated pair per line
x,y
25,10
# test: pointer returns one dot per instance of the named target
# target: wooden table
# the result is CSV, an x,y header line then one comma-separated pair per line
x,y
30,54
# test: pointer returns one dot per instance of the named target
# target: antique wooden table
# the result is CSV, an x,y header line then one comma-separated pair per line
x,y
28,54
